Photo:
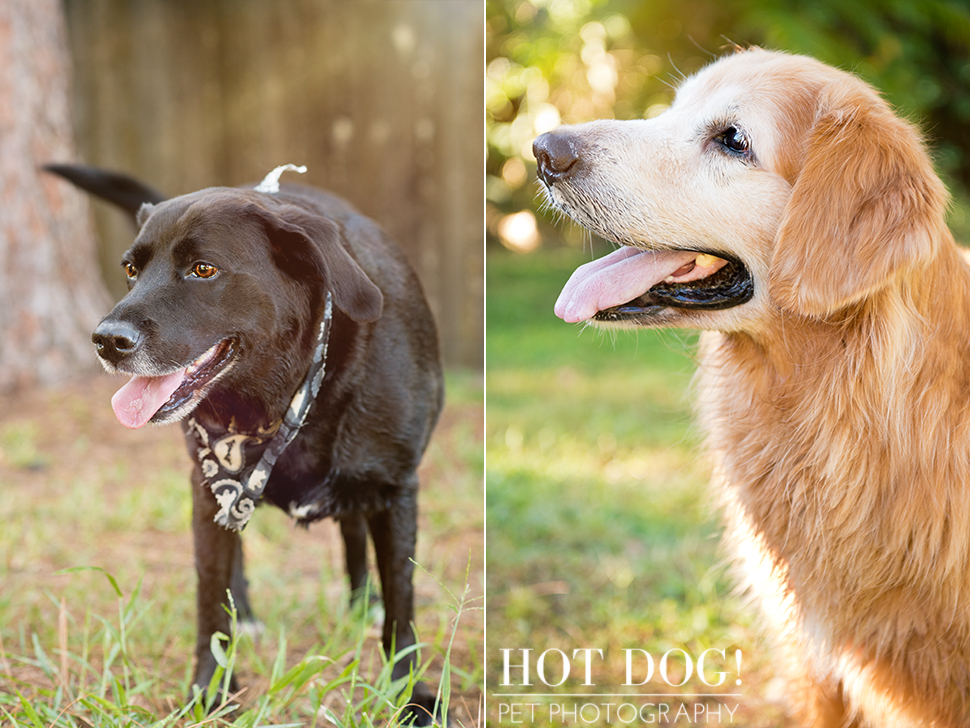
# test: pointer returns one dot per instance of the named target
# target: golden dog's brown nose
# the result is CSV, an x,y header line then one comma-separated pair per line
x,y
557,153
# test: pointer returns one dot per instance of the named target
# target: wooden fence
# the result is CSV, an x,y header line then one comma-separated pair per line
x,y
381,99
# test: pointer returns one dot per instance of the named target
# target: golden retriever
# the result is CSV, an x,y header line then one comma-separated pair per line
x,y
783,208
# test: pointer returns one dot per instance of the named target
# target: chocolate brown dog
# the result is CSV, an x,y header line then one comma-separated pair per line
x,y
291,338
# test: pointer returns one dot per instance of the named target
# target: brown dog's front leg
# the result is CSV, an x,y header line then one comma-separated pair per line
x,y
240,591
215,549
353,528
394,532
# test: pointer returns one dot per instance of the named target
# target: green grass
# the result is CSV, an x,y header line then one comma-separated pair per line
x,y
95,677
97,613
600,533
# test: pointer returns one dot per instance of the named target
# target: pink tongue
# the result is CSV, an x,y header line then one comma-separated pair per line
x,y
615,279
136,402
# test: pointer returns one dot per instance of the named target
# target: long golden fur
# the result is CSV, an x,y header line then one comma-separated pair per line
x,y
836,401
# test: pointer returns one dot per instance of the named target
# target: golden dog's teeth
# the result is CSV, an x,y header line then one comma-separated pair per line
x,y
706,261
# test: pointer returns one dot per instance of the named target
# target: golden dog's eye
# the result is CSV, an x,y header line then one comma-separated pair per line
x,y
204,270
130,270
733,139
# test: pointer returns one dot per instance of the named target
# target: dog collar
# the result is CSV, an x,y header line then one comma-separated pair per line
x,y
224,456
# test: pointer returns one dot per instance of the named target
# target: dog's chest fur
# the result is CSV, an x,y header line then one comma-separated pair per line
x,y
837,481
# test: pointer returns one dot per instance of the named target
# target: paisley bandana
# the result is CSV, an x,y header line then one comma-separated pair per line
x,y
225,457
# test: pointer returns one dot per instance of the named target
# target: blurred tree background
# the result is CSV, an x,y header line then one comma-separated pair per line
x,y
568,61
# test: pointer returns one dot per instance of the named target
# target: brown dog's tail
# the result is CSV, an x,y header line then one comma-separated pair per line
x,y
119,189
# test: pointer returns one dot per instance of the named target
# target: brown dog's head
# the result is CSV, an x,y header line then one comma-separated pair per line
x,y
773,183
225,290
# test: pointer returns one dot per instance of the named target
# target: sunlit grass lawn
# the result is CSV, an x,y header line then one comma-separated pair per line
x,y
600,533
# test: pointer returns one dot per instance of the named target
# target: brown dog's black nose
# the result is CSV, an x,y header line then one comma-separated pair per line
x,y
557,153
115,340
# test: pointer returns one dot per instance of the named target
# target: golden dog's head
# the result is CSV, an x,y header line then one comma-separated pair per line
x,y
773,184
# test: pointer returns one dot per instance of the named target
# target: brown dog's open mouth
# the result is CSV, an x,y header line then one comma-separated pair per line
x,y
158,399
632,284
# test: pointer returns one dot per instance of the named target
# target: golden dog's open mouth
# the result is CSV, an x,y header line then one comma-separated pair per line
x,y
729,286
632,284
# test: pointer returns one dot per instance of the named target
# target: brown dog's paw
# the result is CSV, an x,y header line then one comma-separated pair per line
x,y
223,694
421,709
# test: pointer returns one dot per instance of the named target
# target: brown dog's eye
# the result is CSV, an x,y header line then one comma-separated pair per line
x,y
204,270
130,270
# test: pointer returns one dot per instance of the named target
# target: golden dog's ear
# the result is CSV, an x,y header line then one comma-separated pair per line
x,y
865,208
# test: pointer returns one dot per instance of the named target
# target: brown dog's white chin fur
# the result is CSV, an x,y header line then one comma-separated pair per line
x,y
836,402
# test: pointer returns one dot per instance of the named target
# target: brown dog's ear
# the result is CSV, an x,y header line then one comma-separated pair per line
x,y
308,246
144,212
866,207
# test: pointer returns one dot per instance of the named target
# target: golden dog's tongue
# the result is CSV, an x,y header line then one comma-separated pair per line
x,y
616,279
136,402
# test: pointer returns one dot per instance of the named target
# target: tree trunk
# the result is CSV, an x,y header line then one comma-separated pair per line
x,y
51,291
